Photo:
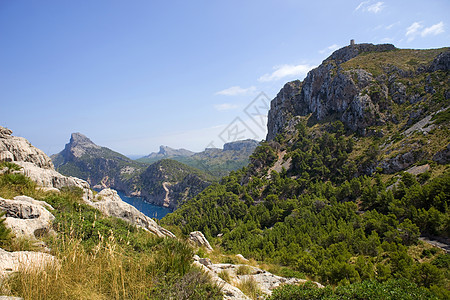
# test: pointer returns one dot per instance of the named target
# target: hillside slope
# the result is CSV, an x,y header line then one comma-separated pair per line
x,y
355,169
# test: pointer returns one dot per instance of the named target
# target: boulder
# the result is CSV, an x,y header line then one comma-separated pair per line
x,y
110,204
23,261
199,240
27,217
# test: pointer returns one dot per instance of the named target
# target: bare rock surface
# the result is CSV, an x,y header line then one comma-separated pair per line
x,y
23,261
230,292
14,149
110,204
266,281
27,217
199,240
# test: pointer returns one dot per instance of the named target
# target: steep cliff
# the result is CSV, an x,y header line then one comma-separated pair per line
x,y
363,85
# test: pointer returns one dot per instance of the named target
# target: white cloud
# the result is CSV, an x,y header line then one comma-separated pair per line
x,y
225,106
361,5
376,8
236,90
434,29
286,71
416,29
329,49
373,8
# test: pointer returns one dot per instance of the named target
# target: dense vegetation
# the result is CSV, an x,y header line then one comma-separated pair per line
x,y
321,219
101,257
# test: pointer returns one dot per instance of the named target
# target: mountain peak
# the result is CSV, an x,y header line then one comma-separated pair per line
x,y
77,138
79,143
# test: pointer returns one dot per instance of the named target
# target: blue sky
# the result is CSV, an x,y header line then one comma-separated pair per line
x,y
133,75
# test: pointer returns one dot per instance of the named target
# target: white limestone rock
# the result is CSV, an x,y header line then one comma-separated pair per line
x,y
27,217
14,149
110,204
24,261
199,240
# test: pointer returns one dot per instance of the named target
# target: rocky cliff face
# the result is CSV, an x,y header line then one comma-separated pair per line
x,y
359,85
100,166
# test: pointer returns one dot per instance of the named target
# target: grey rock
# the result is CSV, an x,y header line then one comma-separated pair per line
x,y
27,217
199,240
266,281
400,162
14,149
230,292
441,62
443,157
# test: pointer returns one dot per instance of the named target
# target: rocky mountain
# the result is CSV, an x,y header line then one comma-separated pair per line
x,y
165,152
376,91
100,166
164,183
220,162
365,85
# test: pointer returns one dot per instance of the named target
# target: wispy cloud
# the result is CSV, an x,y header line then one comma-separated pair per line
x,y
236,90
286,71
434,29
225,106
329,49
416,29
366,6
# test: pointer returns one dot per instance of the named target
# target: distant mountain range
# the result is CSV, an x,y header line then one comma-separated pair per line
x,y
165,178
214,161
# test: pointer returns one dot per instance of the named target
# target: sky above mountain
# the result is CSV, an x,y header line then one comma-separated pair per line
x,y
133,75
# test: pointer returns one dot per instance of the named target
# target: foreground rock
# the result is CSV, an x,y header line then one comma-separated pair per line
x,y
266,281
24,261
110,204
27,217
199,240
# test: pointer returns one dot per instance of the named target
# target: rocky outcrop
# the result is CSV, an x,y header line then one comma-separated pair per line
x,y
110,204
265,280
354,96
244,145
443,157
11,262
15,149
27,217
199,240
229,291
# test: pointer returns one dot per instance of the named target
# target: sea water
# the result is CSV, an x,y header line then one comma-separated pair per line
x,y
150,210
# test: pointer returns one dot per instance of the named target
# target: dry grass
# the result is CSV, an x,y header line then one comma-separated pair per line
x,y
225,275
104,273
250,287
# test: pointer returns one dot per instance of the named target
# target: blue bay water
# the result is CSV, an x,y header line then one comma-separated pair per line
x,y
150,210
